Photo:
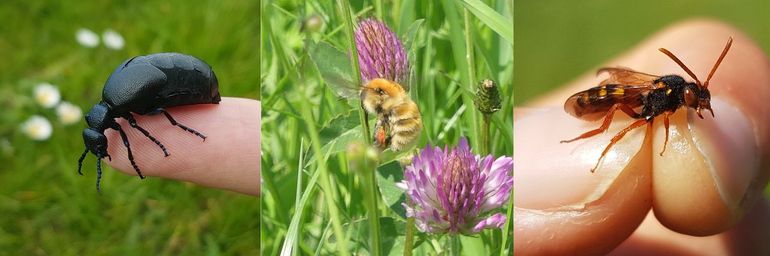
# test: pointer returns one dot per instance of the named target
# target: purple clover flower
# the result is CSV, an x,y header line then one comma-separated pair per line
x,y
380,53
455,191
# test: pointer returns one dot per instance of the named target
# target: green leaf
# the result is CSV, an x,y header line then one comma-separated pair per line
x,y
338,125
493,19
387,176
335,68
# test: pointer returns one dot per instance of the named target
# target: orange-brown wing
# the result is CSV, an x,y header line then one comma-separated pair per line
x,y
593,104
627,76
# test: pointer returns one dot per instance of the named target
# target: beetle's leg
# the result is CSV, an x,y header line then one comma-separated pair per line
x,y
98,174
665,124
173,122
605,125
80,162
123,136
617,138
132,122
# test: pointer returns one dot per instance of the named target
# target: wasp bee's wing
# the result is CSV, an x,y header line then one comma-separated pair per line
x,y
593,104
626,76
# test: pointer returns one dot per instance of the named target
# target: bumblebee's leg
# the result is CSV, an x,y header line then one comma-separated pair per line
x,y
173,122
617,138
80,162
123,136
605,125
665,124
132,122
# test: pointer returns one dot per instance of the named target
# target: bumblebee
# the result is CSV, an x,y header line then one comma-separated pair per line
x,y
641,96
398,118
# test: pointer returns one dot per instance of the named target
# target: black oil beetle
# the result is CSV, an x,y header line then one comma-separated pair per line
x,y
147,85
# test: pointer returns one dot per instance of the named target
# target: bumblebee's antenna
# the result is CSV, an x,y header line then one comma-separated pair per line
x,y
719,61
671,55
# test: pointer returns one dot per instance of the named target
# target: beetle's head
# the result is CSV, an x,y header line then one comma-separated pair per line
x,y
98,118
95,142
698,98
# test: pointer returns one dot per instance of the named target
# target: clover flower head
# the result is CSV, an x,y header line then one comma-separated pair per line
x,y
380,53
456,192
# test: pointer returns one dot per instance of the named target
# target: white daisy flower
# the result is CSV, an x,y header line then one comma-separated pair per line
x,y
87,38
68,113
47,95
112,39
37,128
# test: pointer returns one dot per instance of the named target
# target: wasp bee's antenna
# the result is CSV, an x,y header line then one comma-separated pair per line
x,y
719,61
671,55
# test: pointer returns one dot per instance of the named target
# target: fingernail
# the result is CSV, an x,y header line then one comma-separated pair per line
x,y
729,144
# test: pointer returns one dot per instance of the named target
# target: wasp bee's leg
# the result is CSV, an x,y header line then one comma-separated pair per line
x,y
80,162
605,124
173,122
617,138
665,124
132,122
629,111
123,136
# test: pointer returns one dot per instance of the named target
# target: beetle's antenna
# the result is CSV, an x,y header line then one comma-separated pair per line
x,y
719,61
80,162
671,55
98,174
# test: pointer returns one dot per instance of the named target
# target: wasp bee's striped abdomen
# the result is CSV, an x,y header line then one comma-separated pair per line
x,y
593,104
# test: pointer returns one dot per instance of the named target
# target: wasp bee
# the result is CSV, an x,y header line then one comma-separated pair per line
x,y
398,118
641,96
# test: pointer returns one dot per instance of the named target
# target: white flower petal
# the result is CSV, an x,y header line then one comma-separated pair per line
x,y
47,95
112,39
68,113
37,128
87,38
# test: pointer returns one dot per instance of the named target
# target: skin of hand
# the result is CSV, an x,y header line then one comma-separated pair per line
x,y
705,192
227,159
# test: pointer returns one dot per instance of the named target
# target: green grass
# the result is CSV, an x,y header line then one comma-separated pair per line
x,y
47,209
307,127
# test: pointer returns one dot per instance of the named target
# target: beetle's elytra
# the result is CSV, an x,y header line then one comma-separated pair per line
x,y
147,85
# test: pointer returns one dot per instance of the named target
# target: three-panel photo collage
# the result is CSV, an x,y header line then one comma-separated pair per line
x,y
385,127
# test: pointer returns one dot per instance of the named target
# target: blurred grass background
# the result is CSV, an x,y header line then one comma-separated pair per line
x,y
294,206
45,207
556,41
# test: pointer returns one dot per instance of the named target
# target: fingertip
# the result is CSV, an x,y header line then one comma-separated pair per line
x,y
228,158
561,207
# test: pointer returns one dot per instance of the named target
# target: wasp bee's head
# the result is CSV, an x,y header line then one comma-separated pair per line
x,y
379,92
698,98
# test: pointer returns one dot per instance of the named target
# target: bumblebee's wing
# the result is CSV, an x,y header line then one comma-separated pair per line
x,y
335,68
593,104
626,76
